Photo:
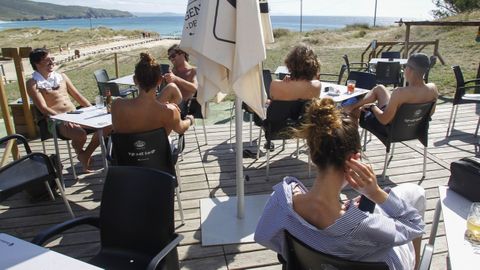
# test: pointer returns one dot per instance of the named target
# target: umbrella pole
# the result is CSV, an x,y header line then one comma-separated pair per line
x,y
239,158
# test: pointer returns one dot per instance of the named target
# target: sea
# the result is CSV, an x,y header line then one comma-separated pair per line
x,y
171,26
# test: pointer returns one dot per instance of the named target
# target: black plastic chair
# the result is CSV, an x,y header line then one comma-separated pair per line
x,y
357,66
388,73
363,80
461,96
335,78
102,78
148,149
136,221
411,122
390,55
31,169
281,116
303,257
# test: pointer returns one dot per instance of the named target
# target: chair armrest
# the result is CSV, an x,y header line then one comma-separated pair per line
x,y
48,161
469,87
42,237
426,259
164,252
476,81
17,137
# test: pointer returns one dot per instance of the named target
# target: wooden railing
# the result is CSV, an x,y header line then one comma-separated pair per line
x,y
385,46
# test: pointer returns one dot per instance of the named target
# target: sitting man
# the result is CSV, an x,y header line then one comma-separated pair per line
x,y
387,104
302,83
50,92
182,81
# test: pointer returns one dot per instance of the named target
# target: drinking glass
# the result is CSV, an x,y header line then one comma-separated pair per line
x,y
351,86
99,102
473,224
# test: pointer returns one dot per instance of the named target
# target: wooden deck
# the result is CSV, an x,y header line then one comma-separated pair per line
x,y
209,170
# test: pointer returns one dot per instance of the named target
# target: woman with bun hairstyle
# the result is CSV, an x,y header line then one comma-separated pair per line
x,y
317,217
146,112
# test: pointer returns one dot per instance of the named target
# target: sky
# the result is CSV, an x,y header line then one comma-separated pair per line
x,y
385,8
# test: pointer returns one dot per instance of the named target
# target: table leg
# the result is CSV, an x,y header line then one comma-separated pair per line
x,y
102,148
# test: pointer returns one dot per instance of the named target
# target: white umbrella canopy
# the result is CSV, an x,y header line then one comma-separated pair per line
x,y
227,39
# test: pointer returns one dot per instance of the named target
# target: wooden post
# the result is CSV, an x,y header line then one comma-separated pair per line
x,y
407,40
436,53
17,54
8,123
116,65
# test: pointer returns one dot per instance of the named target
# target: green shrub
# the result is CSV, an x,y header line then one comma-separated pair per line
x,y
280,32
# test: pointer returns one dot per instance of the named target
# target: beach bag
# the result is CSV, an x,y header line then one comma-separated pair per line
x,y
465,178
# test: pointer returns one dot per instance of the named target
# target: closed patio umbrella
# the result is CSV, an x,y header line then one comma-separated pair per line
x,y
227,39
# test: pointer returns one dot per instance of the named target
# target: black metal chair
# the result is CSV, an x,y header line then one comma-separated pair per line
x,y
148,149
462,97
303,257
363,80
433,61
390,54
388,73
411,122
281,115
31,169
334,78
136,221
102,78
357,66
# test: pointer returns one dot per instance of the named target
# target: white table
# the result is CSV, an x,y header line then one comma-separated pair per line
x,y
17,254
374,61
343,93
455,209
127,80
91,117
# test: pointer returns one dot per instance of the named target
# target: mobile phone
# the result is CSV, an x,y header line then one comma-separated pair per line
x,y
365,204
75,112
164,68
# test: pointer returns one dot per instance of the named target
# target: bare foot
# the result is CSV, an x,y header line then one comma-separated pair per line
x,y
85,161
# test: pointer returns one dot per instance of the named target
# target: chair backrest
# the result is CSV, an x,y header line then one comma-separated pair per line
x,y
101,75
347,62
146,149
303,257
137,211
411,121
433,61
363,80
341,72
114,88
388,72
459,91
281,115
390,54
267,81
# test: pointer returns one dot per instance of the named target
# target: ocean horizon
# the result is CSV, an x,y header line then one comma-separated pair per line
x,y
171,26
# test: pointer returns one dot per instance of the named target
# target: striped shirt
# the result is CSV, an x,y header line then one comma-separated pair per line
x,y
384,235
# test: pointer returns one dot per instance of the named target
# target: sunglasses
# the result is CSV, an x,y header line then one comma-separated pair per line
x,y
171,56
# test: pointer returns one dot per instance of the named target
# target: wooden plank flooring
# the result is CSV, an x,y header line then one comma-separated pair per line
x,y
209,170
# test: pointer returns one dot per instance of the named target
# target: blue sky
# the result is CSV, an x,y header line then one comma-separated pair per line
x,y
386,8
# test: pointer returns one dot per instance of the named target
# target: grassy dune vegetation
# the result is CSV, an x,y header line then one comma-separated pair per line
x,y
457,47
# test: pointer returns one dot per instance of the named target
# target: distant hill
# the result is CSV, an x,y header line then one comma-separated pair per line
x,y
152,14
20,10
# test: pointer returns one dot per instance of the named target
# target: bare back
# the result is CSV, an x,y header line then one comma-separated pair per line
x,y
140,115
295,89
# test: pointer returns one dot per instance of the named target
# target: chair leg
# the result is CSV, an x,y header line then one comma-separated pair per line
x,y
478,125
259,143
436,219
251,123
268,162
179,201
204,131
298,148
365,140
450,121
179,179
393,150
424,162
44,149
71,160
283,145
385,164
231,120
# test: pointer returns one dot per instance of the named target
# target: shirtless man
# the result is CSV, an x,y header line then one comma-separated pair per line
x,y
302,83
182,81
50,92
149,112
387,104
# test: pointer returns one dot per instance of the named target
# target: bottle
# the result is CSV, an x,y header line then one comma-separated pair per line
x,y
108,100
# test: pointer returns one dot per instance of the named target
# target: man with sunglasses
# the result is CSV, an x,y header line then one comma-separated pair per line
x,y
416,91
182,80
50,92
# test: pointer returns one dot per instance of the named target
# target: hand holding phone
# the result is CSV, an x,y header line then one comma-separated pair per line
x,y
365,204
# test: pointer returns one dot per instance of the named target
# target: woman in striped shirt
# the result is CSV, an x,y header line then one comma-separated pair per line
x,y
320,220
